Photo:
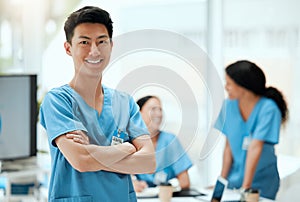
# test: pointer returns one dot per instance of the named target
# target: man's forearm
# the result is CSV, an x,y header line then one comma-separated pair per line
x,y
127,158
109,155
144,161
141,161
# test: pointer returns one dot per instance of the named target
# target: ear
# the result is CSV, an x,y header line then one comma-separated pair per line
x,y
67,46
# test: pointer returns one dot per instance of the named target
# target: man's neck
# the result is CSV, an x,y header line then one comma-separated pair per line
x,y
90,89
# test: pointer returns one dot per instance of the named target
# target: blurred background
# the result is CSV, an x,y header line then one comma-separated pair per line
x,y
266,32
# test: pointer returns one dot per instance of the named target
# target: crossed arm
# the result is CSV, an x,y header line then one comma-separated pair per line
x,y
127,158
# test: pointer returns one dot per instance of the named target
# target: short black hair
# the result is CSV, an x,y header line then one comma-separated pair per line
x,y
87,14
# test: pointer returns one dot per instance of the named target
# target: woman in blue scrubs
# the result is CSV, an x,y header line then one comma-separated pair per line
x,y
250,119
172,160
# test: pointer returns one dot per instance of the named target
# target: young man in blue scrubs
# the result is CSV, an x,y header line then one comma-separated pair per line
x,y
85,111
251,120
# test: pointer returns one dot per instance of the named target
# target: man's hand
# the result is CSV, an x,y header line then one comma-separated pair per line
x,y
78,136
139,185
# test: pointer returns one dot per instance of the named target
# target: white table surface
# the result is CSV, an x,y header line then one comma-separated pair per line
x,y
228,195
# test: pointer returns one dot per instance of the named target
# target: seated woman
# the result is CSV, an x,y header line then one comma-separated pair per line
x,y
171,159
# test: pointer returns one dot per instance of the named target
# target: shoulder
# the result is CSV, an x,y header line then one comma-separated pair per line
x,y
230,103
62,92
267,102
268,111
116,94
115,91
167,136
229,108
65,89
267,105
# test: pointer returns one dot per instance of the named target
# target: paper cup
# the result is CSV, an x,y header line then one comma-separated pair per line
x,y
165,193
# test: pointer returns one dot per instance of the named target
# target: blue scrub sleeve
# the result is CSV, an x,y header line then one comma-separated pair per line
x,y
173,155
56,116
220,122
184,162
268,124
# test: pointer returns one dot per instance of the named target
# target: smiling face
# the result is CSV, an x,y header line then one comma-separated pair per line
x,y
90,48
234,90
152,114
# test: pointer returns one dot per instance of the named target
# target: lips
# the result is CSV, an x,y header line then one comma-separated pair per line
x,y
156,120
94,61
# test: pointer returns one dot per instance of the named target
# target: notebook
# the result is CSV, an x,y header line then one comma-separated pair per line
x,y
152,192
187,193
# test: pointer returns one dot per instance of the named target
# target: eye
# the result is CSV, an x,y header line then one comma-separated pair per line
x,y
84,42
103,42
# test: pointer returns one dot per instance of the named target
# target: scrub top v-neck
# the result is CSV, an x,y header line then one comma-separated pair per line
x,y
63,110
263,124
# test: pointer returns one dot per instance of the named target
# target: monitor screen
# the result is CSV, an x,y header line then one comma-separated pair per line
x,y
18,116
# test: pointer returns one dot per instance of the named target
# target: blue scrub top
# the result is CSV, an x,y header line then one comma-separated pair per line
x,y
170,156
263,124
63,110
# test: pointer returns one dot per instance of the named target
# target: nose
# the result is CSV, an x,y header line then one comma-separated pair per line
x,y
227,87
94,50
157,112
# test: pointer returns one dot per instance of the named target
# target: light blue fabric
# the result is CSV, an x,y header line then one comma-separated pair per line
x,y
263,124
64,110
2,182
171,158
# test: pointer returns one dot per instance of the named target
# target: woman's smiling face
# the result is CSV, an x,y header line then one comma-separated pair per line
x,y
152,114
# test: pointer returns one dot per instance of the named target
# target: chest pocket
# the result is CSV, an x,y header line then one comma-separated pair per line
x,y
121,112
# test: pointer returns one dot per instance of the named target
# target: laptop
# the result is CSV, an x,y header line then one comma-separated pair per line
x,y
219,189
218,192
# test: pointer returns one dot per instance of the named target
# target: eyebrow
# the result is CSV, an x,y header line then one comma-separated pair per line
x,y
99,37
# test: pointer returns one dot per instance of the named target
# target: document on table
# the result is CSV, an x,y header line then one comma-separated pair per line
x,y
150,192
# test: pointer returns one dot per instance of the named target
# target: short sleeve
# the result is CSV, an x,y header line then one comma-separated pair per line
x,y
220,122
136,125
57,117
268,123
184,162
171,155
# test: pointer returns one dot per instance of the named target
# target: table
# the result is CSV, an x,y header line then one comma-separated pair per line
x,y
228,195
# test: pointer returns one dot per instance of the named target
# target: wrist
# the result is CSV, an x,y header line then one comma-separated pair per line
x,y
242,190
130,147
246,185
